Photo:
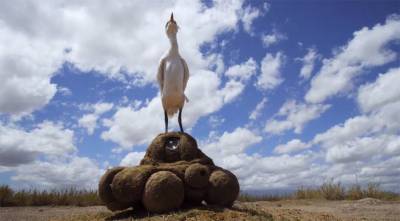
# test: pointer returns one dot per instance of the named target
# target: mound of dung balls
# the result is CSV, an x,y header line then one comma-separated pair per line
x,y
173,172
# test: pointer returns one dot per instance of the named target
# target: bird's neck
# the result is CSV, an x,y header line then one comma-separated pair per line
x,y
174,49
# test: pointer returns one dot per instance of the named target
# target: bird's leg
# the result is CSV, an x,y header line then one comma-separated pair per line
x,y
166,121
180,119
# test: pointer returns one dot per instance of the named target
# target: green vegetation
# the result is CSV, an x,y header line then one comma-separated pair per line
x,y
65,197
328,191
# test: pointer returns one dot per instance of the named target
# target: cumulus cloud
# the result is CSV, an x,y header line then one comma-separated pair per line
x,y
79,172
128,129
294,115
367,144
308,63
257,111
363,137
294,145
248,16
383,120
362,162
206,91
273,38
132,159
45,156
270,76
215,121
102,36
384,90
367,49
253,170
89,121
26,66
234,142
19,146
242,71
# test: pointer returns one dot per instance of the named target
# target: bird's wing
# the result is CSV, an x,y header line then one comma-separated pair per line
x,y
185,73
160,74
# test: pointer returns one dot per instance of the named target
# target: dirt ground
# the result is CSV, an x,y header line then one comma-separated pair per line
x,y
288,210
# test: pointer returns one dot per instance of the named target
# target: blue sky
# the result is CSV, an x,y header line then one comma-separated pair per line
x,y
283,93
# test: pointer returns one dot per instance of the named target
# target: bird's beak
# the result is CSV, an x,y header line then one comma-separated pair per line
x,y
172,17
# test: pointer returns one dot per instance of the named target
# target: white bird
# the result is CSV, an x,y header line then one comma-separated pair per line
x,y
172,76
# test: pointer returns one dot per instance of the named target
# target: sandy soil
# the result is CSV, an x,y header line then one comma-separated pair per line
x,y
288,210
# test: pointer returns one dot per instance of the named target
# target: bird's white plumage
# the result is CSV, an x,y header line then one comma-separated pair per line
x,y
173,75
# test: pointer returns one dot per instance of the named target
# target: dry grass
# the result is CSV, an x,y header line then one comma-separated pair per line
x,y
329,191
335,191
33,197
75,197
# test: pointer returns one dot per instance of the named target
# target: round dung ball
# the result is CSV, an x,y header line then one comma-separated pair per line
x,y
178,168
196,175
128,185
223,188
163,192
105,192
194,196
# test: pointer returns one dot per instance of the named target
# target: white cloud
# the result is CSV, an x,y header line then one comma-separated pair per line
x,y
106,38
367,49
384,90
248,16
295,116
215,121
294,145
132,159
255,171
257,111
37,38
270,76
367,140
25,84
18,146
363,137
363,159
45,156
64,91
273,38
363,148
242,71
89,121
128,129
79,172
308,63
234,142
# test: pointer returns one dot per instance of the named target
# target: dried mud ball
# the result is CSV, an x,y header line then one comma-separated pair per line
x,y
128,185
177,168
194,196
105,192
223,189
163,192
172,147
196,175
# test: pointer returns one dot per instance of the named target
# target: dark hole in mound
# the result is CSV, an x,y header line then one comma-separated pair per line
x,y
172,143
202,173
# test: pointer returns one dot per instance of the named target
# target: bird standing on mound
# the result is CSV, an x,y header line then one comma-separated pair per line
x,y
172,76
